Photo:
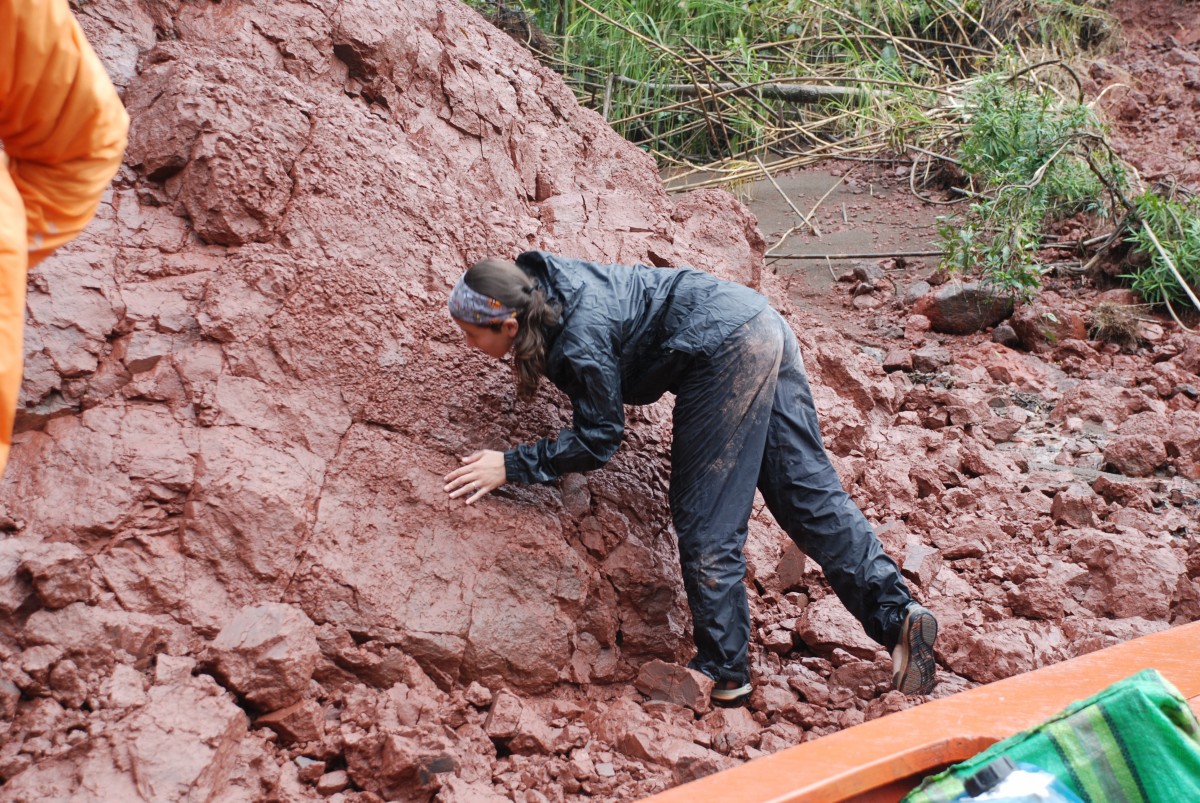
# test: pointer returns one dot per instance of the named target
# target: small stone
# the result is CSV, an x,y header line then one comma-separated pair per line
x,y
960,309
126,688
1126,494
1005,335
898,360
519,726
267,654
1136,455
770,697
826,625
778,640
1038,598
170,670
1075,506
505,715
333,782
10,695
310,769
302,722
916,325
869,273
581,765
921,564
930,359
866,301
479,695
732,729
971,549
1001,430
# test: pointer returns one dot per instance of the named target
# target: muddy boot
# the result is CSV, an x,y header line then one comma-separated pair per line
x,y
914,669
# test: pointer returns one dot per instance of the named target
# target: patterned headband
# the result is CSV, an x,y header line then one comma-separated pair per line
x,y
472,307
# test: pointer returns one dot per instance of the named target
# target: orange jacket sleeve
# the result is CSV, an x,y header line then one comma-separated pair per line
x,y
63,129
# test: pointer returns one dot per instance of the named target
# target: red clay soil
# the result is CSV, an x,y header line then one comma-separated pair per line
x,y
228,570
1150,89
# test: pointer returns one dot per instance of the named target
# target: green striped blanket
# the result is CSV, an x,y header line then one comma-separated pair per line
x,y
1135,742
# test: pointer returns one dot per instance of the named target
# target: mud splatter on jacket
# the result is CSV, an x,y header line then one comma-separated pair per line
x,y
628,334
63,129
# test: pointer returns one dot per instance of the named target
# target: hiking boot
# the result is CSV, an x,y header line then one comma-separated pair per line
x,y
914,670
728,693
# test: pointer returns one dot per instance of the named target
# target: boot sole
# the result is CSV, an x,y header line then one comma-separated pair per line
x,y
919,673
729,698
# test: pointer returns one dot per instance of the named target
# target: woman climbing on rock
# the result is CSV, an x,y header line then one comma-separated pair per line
x,y
611,335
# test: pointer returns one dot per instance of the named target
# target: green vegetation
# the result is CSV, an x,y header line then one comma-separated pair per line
x,y
711,82
1033,160
1175,224
978,93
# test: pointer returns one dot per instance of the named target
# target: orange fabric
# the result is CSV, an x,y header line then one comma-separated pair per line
x,y
63,129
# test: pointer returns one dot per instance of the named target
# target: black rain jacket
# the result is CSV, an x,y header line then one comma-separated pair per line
x,y
627,335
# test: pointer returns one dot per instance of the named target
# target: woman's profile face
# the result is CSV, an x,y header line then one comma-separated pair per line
x,y
494,342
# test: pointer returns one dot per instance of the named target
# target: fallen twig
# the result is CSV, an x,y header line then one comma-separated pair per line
x,y
836,184
774,90
879,255
801,215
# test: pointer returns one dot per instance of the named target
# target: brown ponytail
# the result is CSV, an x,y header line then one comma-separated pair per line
x,y
513,287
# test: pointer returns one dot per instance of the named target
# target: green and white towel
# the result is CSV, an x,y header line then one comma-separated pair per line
x,y
1137,741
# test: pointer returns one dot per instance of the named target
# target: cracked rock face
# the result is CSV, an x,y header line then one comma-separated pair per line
x,y
242,381
243,388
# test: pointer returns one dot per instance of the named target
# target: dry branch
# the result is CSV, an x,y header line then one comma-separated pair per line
x,y
791,93
880,255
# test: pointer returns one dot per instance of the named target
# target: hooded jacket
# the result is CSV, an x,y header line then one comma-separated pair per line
x,y
627,336
63,129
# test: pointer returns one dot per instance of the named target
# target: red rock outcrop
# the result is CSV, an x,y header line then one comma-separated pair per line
x,y
242,386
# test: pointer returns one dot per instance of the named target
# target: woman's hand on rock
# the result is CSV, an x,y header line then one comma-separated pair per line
x,y
480,474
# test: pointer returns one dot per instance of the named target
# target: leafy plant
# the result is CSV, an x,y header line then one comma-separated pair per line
x,y
1176,224
1032,160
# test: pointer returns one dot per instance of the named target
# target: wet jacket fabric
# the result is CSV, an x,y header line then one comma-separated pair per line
x,y
64,130
744,420
627,334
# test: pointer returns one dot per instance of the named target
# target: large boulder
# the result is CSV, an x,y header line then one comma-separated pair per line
x,y
242,388
961,308
267,655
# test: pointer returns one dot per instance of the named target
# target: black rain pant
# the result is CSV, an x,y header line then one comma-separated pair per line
x,y
744,418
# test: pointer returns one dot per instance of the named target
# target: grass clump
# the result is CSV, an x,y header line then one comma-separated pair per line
x,y
1116,323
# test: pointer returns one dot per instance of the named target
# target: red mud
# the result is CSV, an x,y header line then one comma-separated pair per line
x,y
229,572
